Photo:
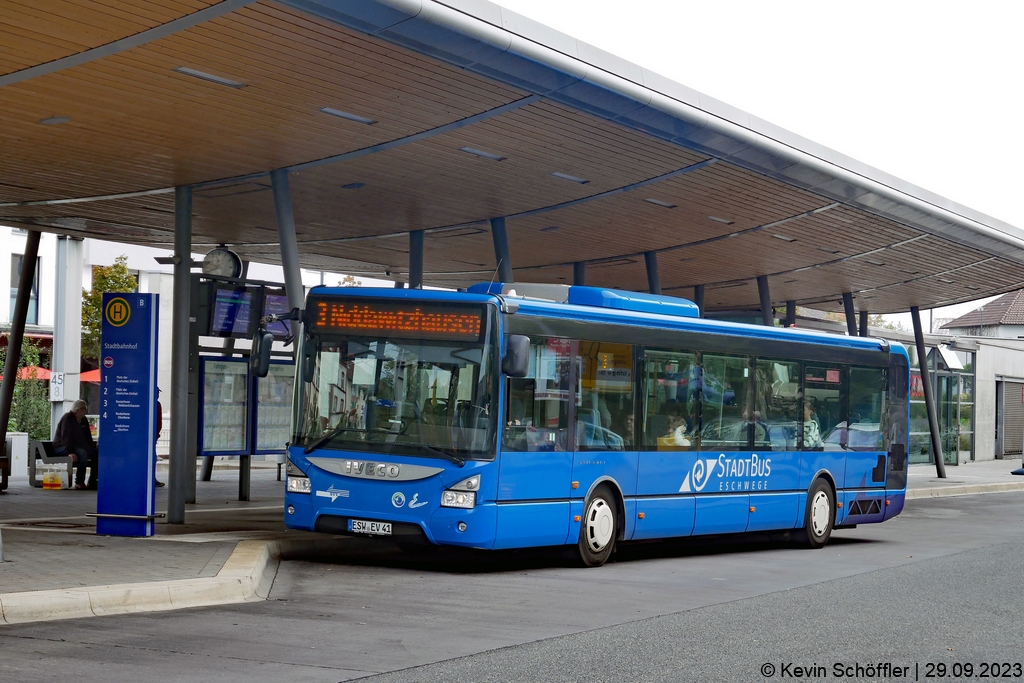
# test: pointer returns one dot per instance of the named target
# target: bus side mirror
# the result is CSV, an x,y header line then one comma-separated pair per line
x,y
308,361
259,357
516,362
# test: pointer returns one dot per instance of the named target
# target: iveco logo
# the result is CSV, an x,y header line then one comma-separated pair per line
x,y
379,470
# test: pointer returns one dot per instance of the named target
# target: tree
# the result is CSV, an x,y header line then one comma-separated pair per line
x,y
349,281
115,278
30,407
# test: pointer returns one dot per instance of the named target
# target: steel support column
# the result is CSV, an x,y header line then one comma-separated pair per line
x,y
767,317
790,314
289,244
653,276
579,273
851,315
67,326
177,479
929,397
501,254
416,259
17,334
863,323
698,298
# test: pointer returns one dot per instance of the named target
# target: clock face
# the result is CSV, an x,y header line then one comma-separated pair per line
x,y
222,262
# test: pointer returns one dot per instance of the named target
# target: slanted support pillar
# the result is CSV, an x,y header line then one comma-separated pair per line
x,y
653,276
501,253
289,244
863,323
178,475
416,259
579,273
698,298
790,313
929,397
851,315
767,317
17,334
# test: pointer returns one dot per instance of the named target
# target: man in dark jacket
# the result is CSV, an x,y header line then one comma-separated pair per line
x,y
74,438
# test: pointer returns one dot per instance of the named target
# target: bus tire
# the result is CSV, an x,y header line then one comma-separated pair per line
x,y
820,516
598,528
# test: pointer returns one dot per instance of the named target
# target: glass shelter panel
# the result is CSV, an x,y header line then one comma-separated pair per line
x,y
225,406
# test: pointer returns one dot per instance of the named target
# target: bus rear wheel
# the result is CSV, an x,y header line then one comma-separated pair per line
x,y
821,514
598,528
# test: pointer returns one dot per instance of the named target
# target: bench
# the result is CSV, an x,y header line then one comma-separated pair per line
x,y
43,450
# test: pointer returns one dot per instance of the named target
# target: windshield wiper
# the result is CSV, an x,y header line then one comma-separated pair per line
x,y
444,454
328,436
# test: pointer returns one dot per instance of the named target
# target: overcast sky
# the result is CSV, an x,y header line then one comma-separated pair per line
x,y
927,91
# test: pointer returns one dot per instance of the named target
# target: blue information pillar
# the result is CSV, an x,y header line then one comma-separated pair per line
x,y
128,361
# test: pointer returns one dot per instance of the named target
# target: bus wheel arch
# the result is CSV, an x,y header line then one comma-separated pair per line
x,y
820,513
620,502
601,525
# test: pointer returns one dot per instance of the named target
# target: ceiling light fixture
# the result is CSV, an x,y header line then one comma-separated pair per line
x,y
874,262
972,287
828,250
353,186
219,80
550,228
948,282
55,120
720,220
910,272
566,176
658,202
784,238
346,115
481,153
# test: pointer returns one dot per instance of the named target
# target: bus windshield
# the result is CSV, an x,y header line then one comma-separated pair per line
x,y
431,398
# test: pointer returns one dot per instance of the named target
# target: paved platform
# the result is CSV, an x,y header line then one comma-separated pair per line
x,y
227,551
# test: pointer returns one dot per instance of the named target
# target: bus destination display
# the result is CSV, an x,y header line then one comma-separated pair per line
x,y
398,319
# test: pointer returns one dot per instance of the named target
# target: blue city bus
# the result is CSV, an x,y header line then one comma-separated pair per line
x,y
519,415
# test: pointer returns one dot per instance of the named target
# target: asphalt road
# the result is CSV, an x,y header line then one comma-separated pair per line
x,y
941,584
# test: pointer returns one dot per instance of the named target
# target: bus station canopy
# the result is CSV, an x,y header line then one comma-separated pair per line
x,y
400,115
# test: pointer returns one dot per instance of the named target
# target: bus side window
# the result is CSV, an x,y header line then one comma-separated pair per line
x,y
867,409
604,408
671,410
727,405
777,409
537,406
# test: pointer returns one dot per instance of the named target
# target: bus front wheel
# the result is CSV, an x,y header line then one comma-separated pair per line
x,y
598,528
820,515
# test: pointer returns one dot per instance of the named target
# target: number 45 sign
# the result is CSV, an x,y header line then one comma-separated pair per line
x,y
57,387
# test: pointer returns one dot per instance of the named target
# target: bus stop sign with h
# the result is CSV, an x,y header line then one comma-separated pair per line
x,y
126,495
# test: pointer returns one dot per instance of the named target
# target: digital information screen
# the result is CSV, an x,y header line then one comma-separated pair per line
x,y
232,312
406,319
275,302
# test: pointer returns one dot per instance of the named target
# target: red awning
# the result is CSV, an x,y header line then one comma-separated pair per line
x,y
33,372
91,376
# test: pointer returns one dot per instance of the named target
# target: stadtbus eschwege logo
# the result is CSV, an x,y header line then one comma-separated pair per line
x,y
118,311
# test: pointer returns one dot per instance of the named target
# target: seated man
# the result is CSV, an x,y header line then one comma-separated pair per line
x,y
74,438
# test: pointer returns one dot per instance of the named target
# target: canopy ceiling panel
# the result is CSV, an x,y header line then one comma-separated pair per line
x,y
439,118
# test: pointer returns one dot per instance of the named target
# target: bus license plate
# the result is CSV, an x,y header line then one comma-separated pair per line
x,y
362,526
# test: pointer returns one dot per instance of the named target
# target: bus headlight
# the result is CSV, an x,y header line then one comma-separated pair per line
x,y
298,482
461,495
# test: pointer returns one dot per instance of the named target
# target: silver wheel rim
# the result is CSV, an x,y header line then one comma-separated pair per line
x,y
600,525
821,513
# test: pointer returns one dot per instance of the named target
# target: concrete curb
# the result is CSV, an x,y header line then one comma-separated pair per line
x,y
964,490
247,575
